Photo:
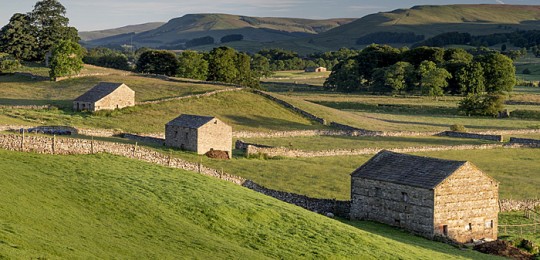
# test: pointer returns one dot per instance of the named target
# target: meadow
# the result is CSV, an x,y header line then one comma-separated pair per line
x,y
103,206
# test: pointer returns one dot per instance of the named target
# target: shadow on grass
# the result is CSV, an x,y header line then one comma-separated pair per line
x,y
34,102
270,123
401,236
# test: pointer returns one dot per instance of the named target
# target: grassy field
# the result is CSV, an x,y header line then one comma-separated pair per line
x,y
513,233
243,110
329,177
20,90
102,206
318,143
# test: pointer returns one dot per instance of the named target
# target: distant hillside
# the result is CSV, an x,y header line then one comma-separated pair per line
x,y
429,21
93,35
255,29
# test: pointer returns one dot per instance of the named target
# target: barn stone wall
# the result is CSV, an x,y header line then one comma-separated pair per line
x,y
467,203
120,98
181,137
215,135
398,205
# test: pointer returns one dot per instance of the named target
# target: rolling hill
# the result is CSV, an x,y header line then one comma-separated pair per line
x,y
93,35
256,29
430,20
107,207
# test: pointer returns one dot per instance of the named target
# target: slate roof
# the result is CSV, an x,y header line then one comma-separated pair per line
x,y
99,91
191,121
411,170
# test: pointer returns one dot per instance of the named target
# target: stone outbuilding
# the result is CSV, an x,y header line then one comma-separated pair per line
x,y
105,95
200,134
315,69
431,197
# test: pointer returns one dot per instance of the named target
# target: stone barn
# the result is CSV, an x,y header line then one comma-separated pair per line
x,y
104,96
431,197
200,134
315,69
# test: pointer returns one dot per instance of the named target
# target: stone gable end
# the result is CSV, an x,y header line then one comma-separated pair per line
x,y
119,98
466,205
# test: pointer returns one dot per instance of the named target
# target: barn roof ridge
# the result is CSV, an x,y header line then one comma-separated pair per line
x,y
99,91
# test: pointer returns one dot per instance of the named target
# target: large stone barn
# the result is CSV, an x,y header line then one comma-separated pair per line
x,y
200,134
315,69
104,96
431,197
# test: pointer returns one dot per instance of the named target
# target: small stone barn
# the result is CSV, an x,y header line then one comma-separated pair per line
x,y
315,69
431,197
105,95
199,134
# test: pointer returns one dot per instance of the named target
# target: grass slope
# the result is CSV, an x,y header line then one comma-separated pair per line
x,y
241,109
430,20
101,206
21,90
256,29
137,28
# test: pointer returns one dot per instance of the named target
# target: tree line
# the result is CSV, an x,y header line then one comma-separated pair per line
x,y
429,71
43,34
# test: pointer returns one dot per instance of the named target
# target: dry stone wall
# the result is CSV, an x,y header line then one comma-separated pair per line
x,y
496,138
211,93
532,142
336,207
291,107
518,205
285,152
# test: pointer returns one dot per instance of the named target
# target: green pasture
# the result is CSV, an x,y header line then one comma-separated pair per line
x,y
107,207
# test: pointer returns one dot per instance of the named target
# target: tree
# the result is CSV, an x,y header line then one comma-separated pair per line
x,y
232,38
66,59
200,41
375,56
470,79
261,66
245,76
482,104
393,78
51,25
499,72
109,58
8,63
17,38
158,62
192,65
432,80
222,65
344,77
418,55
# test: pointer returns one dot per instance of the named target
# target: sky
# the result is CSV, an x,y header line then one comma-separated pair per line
x,y
87,15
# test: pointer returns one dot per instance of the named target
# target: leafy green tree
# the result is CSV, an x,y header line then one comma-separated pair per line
x,y
418,55
393,78
108,58
192,65
66,59
432,80
375,56
499,72
455,61
51,25
222,65
245,76
261,66
482,104
8,64
17,38
470,79
345,77
157,62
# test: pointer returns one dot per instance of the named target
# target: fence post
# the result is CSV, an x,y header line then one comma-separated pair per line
x,y
22,141
53,144
92,145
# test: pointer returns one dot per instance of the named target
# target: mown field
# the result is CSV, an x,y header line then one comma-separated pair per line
x,y
102,206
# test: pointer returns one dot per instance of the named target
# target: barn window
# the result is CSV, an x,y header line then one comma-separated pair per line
x,y
186,136
445,230
215,122
405,196
175,133
489,224
468,227
378,191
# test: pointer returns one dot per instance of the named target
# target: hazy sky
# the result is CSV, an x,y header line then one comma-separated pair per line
x,y
106,14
